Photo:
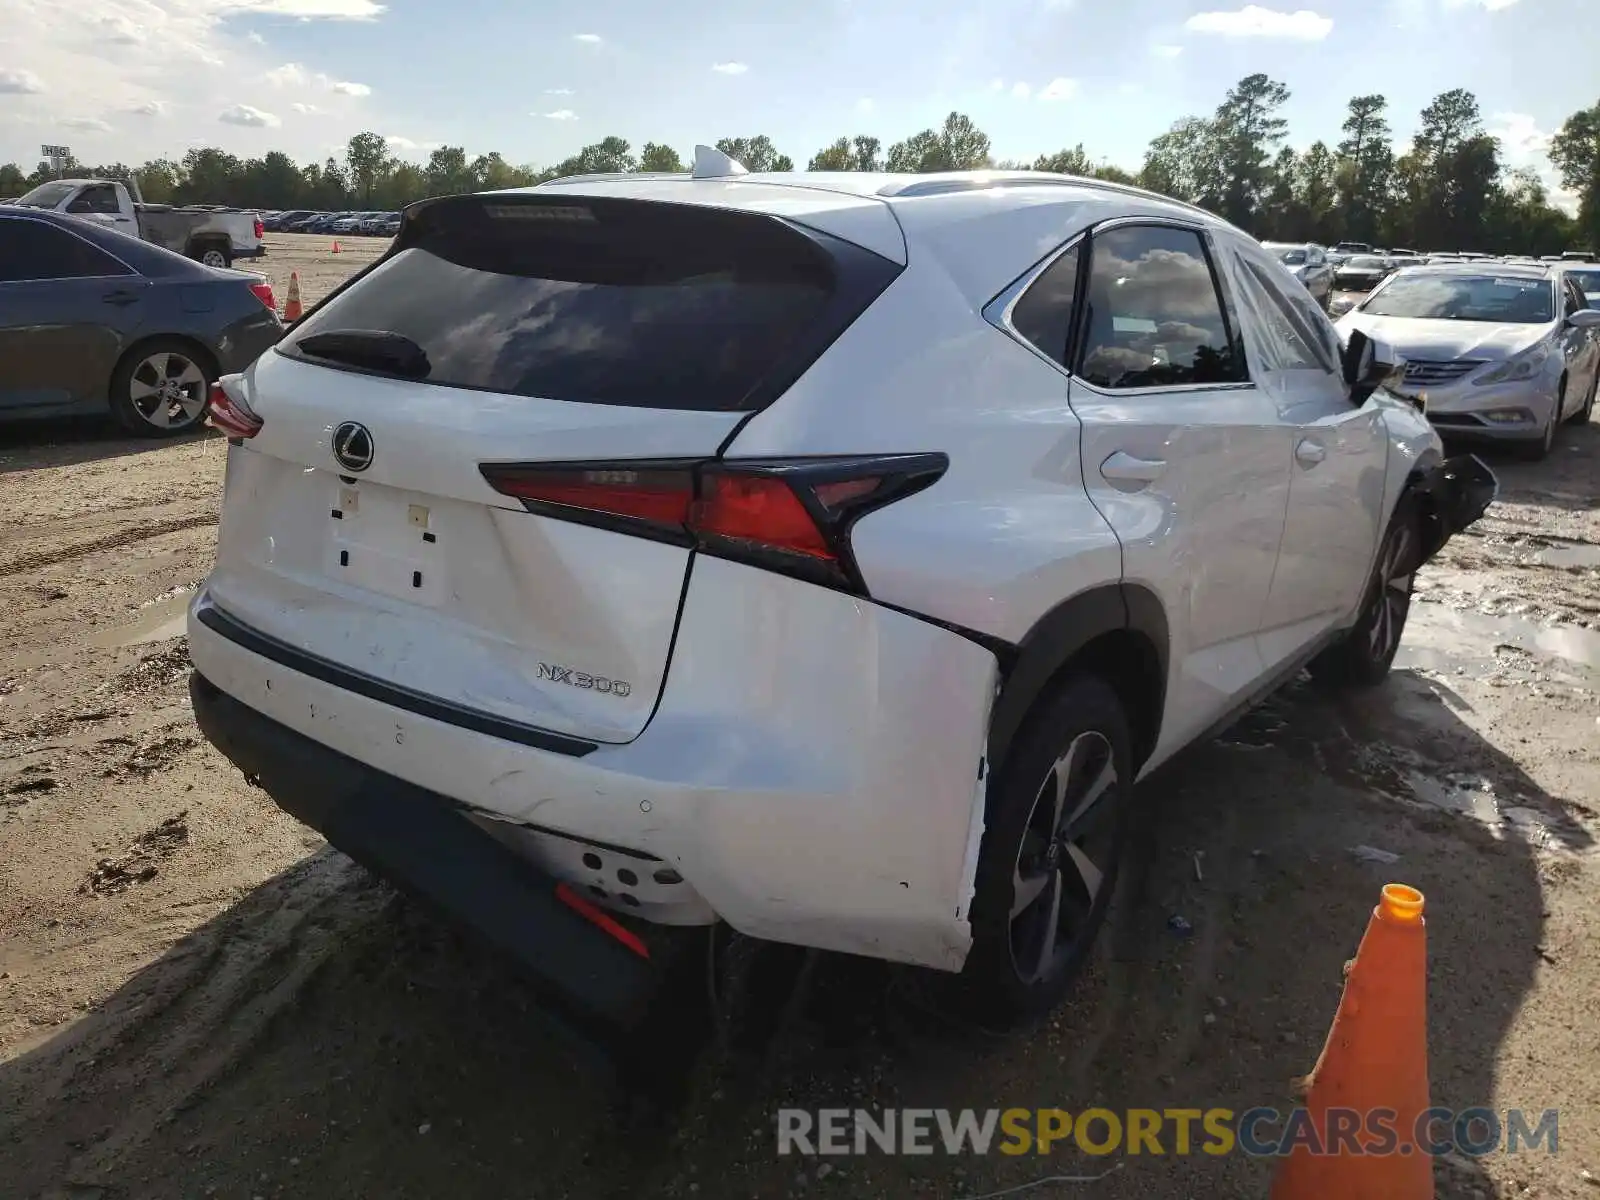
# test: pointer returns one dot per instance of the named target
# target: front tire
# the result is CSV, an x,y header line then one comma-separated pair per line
x,y
159,389
1058,818
1363,656
1581,417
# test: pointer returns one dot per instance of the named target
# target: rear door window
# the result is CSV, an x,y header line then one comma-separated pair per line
x,y
32,251
607,301
1154,316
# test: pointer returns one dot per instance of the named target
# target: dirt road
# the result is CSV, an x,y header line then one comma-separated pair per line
x,y
198,998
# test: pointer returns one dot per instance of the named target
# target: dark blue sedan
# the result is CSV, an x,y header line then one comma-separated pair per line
x,y
93,320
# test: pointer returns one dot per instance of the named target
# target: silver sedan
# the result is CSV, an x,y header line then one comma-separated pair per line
x,y
1493,350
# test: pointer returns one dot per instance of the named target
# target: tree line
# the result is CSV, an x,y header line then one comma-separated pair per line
x,y
1449,189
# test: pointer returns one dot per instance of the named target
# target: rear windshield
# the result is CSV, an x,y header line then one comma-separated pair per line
x,y
601,301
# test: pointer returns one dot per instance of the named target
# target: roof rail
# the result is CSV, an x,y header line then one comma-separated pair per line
x,y
979,181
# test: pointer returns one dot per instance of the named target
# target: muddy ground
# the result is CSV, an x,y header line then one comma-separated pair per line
x,y
198,998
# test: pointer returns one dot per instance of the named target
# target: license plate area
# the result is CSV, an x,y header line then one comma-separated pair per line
x,y
386,540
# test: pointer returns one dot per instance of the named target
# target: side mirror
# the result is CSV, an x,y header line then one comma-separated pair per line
x,y
1584,318
1368,365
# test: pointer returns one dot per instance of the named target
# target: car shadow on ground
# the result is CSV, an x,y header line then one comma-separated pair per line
x,y
324,1036
68,441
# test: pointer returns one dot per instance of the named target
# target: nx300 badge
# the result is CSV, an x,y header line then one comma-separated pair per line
x,y
577,679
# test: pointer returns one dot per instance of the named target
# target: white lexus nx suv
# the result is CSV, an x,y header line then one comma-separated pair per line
x,y
822,554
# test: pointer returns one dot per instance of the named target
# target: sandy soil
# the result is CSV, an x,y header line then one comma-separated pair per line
x,y
198,998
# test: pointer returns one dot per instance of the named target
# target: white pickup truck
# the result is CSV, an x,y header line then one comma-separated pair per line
x,y
213,236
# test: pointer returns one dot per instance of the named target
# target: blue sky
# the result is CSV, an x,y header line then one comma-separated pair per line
x,y
535,80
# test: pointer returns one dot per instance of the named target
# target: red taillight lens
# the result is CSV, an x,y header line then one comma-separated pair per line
x,y
229,415
261,228
263,293
762,509
790,515
659,496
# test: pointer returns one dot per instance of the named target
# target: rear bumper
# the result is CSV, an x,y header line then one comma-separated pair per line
x,y
813,773
250,251
1454,494
418,838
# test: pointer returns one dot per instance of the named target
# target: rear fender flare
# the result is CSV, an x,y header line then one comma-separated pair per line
x,y
1059,636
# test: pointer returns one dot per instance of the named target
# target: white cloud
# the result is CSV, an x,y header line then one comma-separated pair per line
x,y
1521,139
729,68
88,124
1491,5
558,91
288,75
304,110
1166,50
997,85
590,39
865,105
255,39
1021,90
406,144
1254,21
1059,89
295,75
150,108
196,57
18,82
244,114
560,114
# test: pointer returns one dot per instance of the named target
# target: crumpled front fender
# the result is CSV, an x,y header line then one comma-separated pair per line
x,y
1451,495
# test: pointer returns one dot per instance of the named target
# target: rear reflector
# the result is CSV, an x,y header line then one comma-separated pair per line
x,y
792,516
228,412
601,920
261,227
263,293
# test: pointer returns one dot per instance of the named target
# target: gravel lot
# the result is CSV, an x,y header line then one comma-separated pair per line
x,y
198,998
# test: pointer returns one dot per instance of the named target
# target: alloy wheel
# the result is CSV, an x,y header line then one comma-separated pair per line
x,y
1393,600
1066,853
168,390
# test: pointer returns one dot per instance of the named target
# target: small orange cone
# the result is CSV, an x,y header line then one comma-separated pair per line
x,y
1376,1057
335,249
292,307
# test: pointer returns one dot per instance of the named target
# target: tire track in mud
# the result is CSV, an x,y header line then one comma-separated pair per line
x,y
49,556
192,1019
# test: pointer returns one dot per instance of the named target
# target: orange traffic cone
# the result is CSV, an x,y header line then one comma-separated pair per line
x,y
292,307
1376,1057
335,249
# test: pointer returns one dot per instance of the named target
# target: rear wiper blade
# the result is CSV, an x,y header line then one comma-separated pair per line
x,y
382,351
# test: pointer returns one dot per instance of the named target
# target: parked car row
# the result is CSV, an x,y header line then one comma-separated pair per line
x,y
371,224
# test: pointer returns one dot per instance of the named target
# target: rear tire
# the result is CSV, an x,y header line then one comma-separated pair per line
x,y
1363,656
216,256
1058,818
159,388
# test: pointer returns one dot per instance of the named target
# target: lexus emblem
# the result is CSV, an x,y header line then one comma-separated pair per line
x,y
352,446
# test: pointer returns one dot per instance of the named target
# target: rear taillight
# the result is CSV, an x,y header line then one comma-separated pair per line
x,y
261,228
788,515
263,292
227,411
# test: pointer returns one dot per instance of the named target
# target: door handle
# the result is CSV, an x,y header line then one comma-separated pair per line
x,y
121,297
1309,453
1123,468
